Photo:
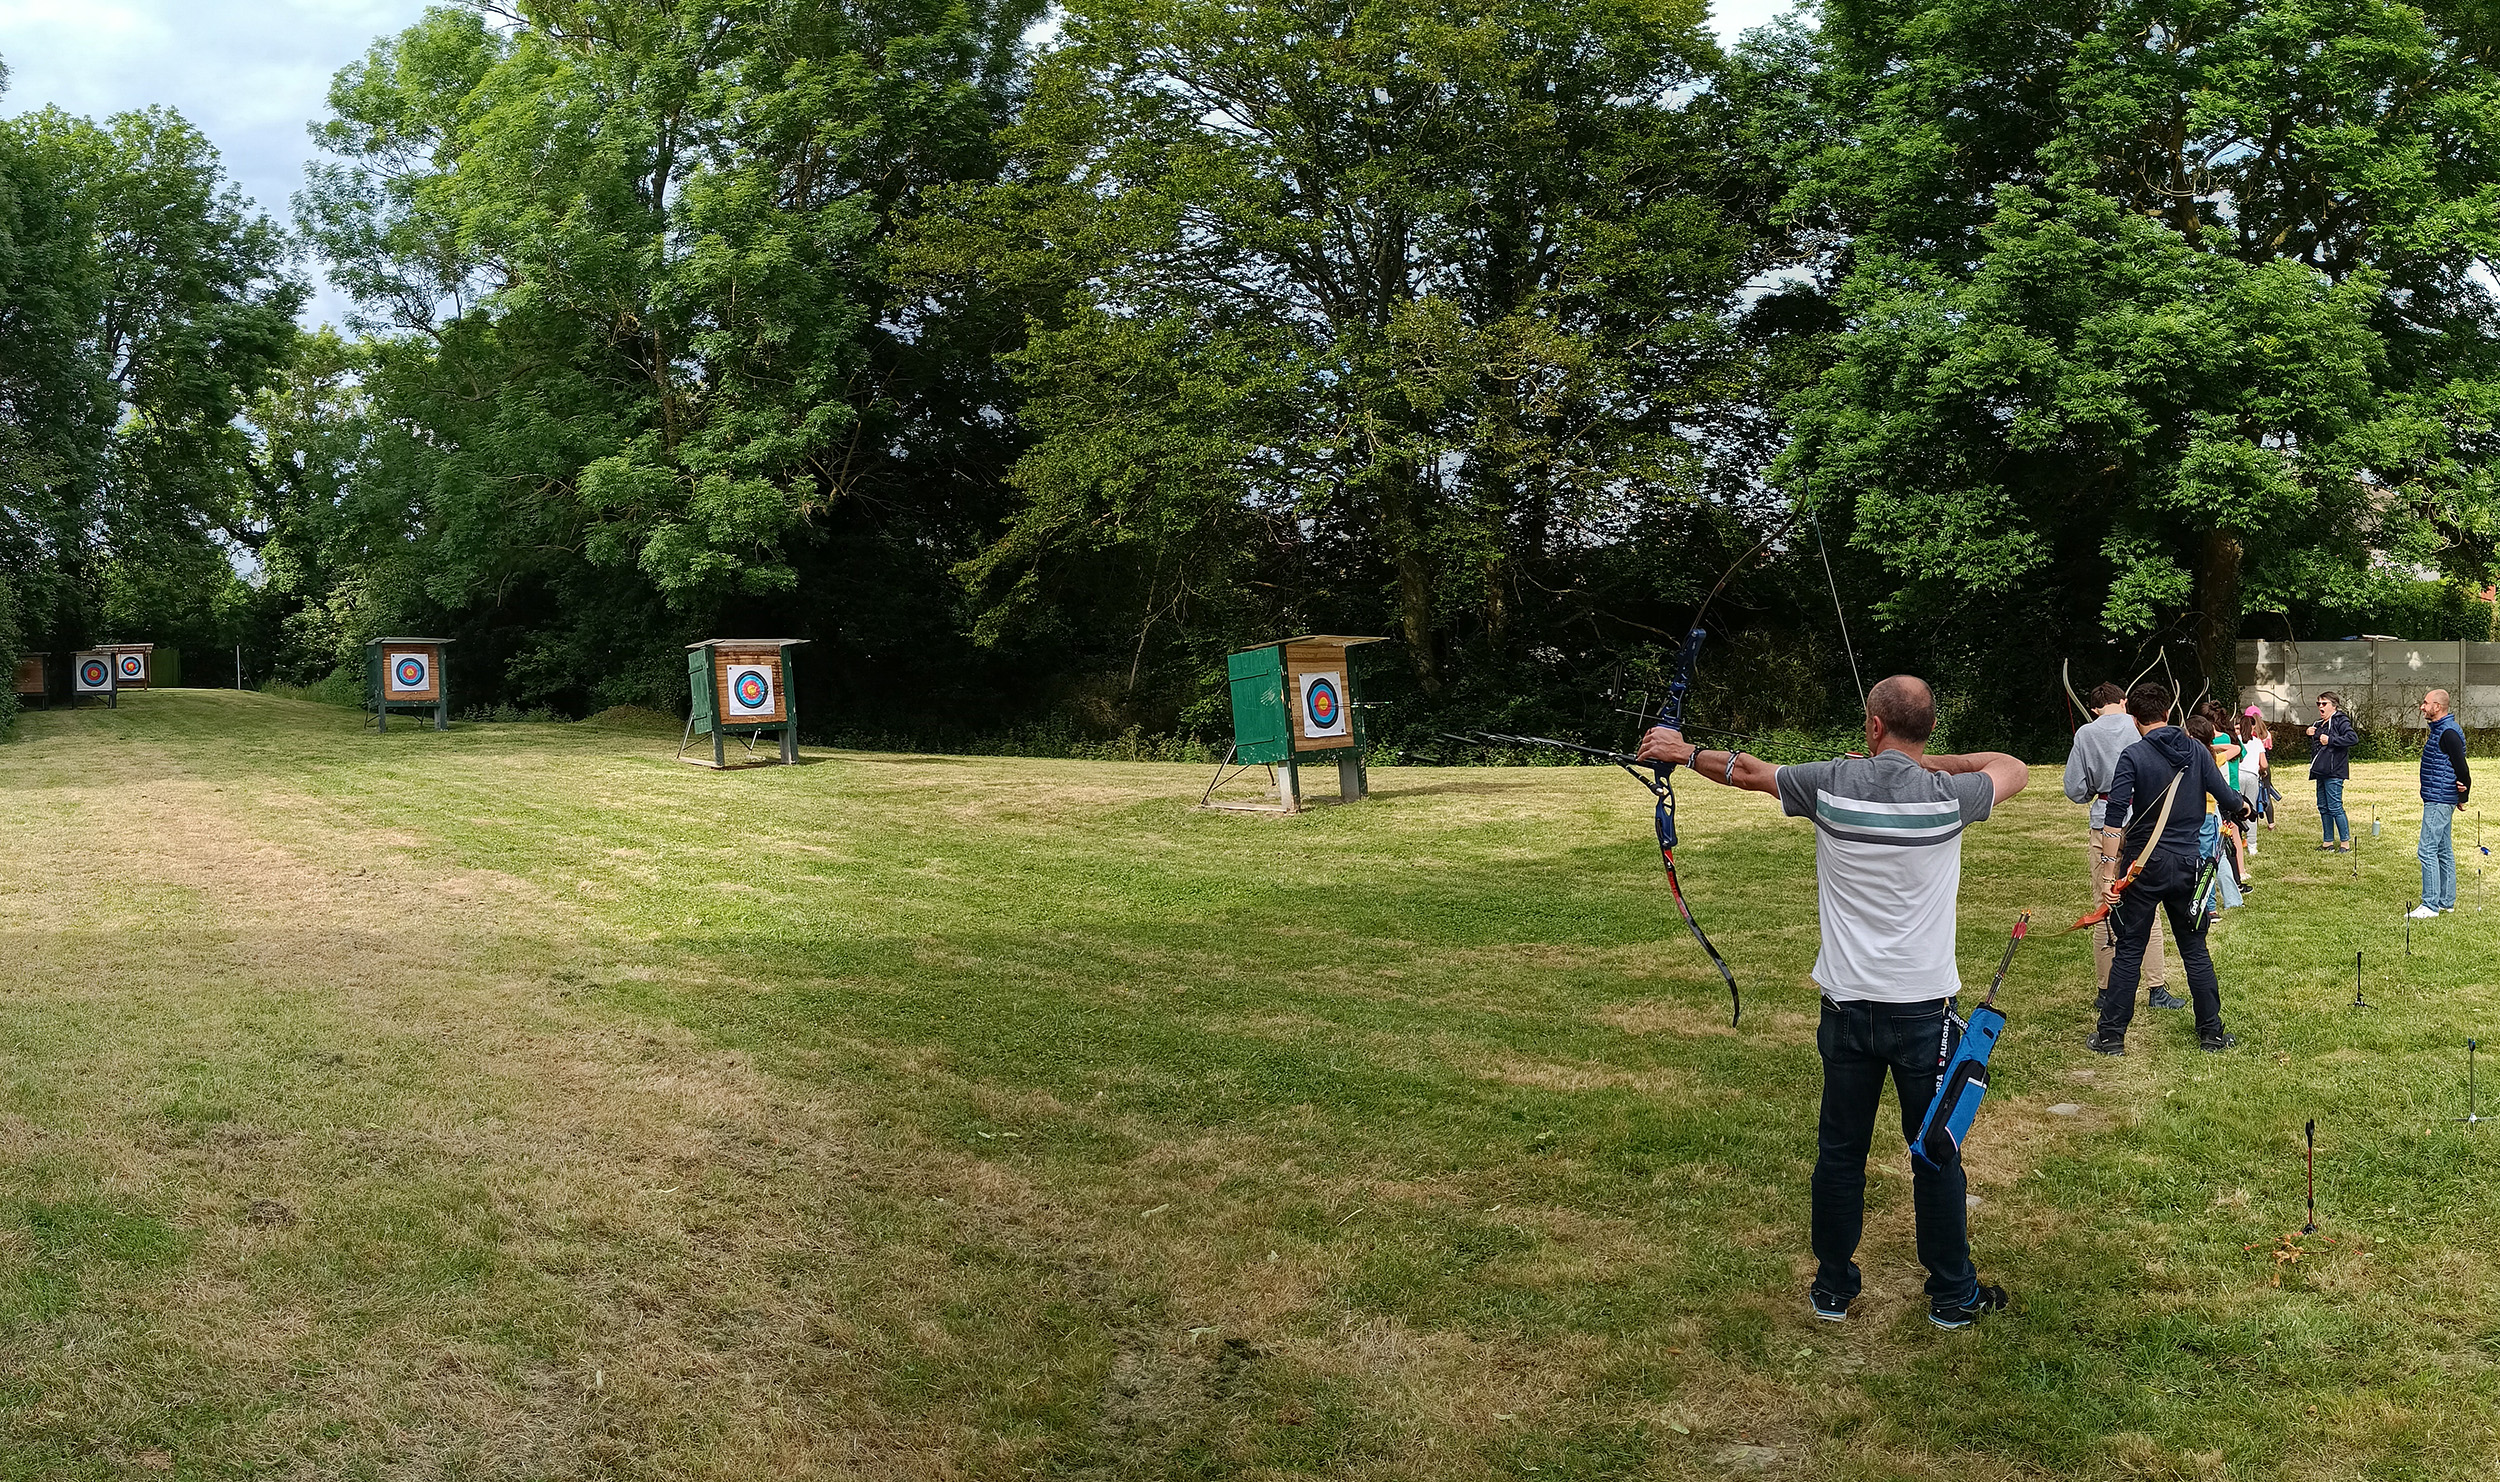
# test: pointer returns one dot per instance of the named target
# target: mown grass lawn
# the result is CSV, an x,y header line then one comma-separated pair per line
x,y
517,1103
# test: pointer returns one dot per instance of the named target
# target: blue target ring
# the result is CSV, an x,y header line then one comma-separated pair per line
x,y
1323,704
412,673
93,674
752,692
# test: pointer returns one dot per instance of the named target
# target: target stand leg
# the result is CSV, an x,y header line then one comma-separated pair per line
x,y
442,713
789,746
720,756
1349,777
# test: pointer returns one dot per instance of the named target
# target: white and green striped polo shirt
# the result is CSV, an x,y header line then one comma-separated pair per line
x,y
1887,869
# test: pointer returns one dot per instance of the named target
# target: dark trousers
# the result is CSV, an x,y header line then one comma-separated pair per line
x,y
2168,883
1861,1043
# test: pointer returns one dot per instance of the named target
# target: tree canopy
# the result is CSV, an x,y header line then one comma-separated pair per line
x,y
1031,361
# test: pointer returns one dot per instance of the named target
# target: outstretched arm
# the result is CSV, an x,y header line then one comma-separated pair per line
x,y
1730,768
2007,773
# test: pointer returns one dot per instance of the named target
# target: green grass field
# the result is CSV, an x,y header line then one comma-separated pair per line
x,y
517,1103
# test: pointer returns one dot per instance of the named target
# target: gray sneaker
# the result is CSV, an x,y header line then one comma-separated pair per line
x,y
2163,998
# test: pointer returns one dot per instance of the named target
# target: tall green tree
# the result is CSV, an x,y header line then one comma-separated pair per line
x,y
638,363
150,305
50,436
2152,314
1402,311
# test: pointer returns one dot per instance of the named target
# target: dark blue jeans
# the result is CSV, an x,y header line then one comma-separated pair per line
x,y
2331,817
2167,884
1861,1044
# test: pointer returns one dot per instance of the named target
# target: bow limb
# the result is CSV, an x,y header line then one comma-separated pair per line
x,y
2173,676
2067,673
1675,888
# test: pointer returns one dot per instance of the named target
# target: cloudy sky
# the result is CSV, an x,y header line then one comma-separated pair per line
x,y
251,74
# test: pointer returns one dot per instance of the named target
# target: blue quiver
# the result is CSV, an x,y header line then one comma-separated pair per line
x,y
1958,1091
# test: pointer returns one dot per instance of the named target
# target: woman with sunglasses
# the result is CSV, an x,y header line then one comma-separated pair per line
x,y
2334,738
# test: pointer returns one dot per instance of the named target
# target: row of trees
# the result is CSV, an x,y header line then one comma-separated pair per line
x,y
142,309
1029,362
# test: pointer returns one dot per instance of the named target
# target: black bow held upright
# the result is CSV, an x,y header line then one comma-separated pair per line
x,y
1658,777
1661,783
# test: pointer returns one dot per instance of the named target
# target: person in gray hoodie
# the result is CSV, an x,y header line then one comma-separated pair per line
x,y
2161,787
2090,768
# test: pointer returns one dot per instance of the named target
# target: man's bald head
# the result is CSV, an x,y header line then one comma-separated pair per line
x,y
1906,706
2435,704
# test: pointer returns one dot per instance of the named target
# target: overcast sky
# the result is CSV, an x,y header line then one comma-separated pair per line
x,y
250,74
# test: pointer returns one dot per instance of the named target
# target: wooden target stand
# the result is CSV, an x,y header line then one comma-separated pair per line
x,y
134,664
91,678
33,679
406,674
740,687
1294,705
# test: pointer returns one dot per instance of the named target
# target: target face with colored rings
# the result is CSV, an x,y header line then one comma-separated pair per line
x,y
409,674
133,667
1324,705
1324,712
94,675
750,689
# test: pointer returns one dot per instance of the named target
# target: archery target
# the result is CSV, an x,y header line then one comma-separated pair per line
x,y
130,666
1324,710
749,693
409,673
95,674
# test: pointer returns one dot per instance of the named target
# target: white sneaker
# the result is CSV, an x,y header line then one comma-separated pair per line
x,y
2422,913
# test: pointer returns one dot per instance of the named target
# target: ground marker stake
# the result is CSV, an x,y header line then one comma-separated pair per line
x,y
2311,1228
2471,1118
2358,1001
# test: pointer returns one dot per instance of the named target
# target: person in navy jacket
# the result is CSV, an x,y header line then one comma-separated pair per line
x,y
2334,738
2165,758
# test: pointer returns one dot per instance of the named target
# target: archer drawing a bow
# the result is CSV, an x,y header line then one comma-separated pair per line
x,y
1962,1069
1658,777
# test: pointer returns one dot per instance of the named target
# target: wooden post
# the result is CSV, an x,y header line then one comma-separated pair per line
x,y
1289,784
1350,775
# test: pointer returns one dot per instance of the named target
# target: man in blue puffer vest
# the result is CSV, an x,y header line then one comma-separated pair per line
x,y
2445,782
